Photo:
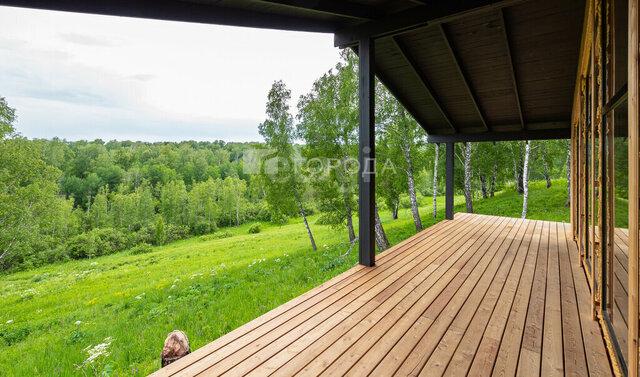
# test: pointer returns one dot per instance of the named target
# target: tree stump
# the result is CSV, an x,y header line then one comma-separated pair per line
x,y
176,346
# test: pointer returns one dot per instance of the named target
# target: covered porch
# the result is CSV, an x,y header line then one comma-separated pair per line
x,y
478,295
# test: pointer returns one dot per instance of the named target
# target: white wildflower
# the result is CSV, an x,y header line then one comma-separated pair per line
x,y
9,321
168,296
99,350
278,260
173,286
77,322
139,297
175,281
94,263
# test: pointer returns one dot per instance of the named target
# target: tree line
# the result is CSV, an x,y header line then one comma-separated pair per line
x,y
63,200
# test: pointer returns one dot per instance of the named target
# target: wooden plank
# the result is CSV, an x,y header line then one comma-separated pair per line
x,y
296,355
508,355
463,75
406,313
531,351
595,351
224,359
443,313
552,347
574,358
487,294
488,348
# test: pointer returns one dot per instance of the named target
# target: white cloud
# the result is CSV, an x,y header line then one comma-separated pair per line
x,y
85,76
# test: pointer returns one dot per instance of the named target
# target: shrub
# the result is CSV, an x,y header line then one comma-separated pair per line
x,y
215,236
159,236
143,248
96,242
255,228
202,227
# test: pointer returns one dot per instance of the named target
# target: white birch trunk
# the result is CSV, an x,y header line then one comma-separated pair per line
x,y
381,237
568,175
435,184
493,179
525,179
468,191
546,168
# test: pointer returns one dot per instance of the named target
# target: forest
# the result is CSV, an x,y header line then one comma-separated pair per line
x,y
63,200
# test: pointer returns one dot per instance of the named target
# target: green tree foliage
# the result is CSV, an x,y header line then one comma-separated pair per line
x,y
328,124
159,236
280,171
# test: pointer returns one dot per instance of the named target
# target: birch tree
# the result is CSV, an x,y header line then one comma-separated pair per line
x,y
435,182
404,134
283,183
328,125
525,179
465,155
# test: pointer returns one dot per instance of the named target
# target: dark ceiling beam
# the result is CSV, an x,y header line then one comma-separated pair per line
x,y
507,45
175,10
423,80
335,8
395,90
560,133
401,22
463,75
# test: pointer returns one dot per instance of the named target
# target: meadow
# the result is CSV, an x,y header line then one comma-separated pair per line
x,y
109,316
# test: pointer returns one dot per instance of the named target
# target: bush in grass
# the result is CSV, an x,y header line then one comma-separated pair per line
x,y
255,228
143,248
202,227
96,242
215,236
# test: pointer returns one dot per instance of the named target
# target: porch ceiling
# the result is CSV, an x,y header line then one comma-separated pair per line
x,y
501,69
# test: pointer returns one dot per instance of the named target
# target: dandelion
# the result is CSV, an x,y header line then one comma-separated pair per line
x,y
92,301
160,286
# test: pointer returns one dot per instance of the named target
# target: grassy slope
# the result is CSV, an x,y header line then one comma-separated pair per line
x,y
222,284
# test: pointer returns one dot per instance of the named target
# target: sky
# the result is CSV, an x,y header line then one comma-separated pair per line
x,y
79,76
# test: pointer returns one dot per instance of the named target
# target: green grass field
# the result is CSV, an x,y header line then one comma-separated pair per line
x,y
118,309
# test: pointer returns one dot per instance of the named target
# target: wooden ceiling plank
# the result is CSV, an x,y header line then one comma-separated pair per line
x,y
423,80
411,19
342,8
507,45
543,134
463,75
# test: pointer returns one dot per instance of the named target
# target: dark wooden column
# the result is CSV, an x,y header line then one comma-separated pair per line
x,y
449,173
366,175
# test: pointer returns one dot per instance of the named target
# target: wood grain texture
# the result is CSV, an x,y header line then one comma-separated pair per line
x,y
478,295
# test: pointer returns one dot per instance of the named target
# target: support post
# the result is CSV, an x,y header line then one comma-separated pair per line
x,y
449,173
634,191
366,176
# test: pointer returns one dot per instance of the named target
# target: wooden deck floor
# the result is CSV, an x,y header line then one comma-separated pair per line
x,y
478,295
